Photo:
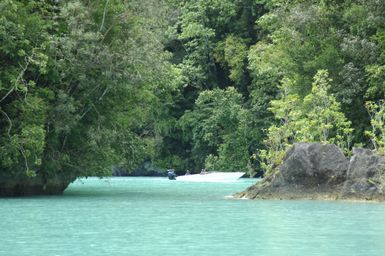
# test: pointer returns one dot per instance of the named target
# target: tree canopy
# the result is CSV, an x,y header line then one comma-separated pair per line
x,y
224,85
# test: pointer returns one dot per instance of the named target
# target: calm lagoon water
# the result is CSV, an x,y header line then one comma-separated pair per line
x,y
155,216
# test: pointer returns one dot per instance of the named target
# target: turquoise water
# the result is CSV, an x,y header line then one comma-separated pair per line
x,y
155,216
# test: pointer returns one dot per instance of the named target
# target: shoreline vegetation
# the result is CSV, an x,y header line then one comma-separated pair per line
x,y
92,87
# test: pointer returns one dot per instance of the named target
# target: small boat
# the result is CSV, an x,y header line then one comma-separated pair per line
x,y
211,177
171,174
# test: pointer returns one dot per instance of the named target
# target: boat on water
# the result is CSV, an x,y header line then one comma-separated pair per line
x,y
209,177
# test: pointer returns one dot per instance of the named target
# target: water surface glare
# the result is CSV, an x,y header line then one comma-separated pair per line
x,y
155,216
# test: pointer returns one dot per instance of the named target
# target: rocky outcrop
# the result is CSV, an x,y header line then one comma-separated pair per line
x,y
365,177
317,171
314,164
32,186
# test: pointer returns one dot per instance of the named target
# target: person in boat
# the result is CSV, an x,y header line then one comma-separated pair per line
x,y
171,174
204,171
188,172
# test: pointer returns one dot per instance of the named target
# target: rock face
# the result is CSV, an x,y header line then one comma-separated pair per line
x,y
25,186
366,176
317,171
314,164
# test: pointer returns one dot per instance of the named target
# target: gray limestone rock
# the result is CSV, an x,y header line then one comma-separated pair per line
x,y
317,171
33,186
314,164
366,176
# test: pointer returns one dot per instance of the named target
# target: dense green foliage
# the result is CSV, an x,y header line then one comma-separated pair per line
x,y
218,130
317,117
377,122
222,84
271,51
82,85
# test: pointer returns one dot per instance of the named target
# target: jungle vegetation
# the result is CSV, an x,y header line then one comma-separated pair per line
x,y
219,84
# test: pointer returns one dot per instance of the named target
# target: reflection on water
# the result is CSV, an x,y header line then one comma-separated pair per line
x,y
155,216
